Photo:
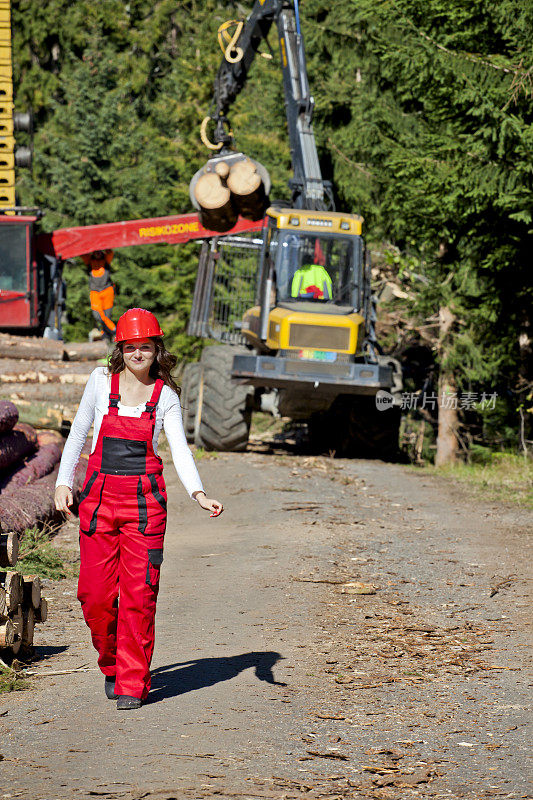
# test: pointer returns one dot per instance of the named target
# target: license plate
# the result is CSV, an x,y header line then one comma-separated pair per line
x,y
317,355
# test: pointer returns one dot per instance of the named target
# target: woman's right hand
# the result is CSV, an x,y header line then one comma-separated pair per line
x,y
63,499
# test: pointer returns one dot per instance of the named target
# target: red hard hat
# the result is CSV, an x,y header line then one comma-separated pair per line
x,y
137,323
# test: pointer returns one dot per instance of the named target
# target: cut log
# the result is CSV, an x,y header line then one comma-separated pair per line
x,y
29,627
86,351
30,348
36,466
24,506
49,437
217,212
3,604
9,546
41,416
43,372
17,618
247,190
67,395
12,583
41,613
31,587
9,415
16,444
222,170
7,633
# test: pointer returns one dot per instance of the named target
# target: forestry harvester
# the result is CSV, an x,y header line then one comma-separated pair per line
x,y
292,305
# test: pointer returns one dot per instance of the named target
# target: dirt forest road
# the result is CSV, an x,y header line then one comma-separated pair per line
x,y
269,680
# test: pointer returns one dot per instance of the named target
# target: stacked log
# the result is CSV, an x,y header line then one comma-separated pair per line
x,y
9,416
36,466
23,507
28,467
16,444
14,371
21,607
217,211
247,189
31,348
227,190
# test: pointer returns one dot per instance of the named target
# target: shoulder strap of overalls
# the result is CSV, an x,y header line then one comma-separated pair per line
x,y
114,395
152,402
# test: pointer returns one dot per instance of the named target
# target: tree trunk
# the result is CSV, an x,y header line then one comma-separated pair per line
x,y
24,506
447,440
16,444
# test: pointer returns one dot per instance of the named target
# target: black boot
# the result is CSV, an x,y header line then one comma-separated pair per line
x,y
109,686
125,702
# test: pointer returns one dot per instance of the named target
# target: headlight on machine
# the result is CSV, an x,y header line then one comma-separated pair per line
x,y
319,337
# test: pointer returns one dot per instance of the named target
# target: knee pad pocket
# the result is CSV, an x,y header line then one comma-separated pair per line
x,y
153,568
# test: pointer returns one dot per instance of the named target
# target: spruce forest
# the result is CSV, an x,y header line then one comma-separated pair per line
x,y
423,124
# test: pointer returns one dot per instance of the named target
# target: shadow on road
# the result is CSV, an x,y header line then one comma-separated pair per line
x,y
186,676
46,651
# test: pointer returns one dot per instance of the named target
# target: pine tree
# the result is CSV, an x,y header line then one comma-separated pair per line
x,y
428,119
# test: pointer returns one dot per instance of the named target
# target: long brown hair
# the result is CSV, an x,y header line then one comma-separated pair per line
x,y
161,367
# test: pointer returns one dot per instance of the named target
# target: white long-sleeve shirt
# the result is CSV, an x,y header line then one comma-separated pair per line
x,y
95,403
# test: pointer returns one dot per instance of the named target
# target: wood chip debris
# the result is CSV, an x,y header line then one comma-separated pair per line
x,y
356,587
328,754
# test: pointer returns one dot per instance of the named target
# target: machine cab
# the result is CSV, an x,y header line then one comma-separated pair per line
x,y
315,260
312,286
18,274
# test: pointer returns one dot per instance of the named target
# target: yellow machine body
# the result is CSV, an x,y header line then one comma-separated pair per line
x,y
303,332
298,330
315,221
7,141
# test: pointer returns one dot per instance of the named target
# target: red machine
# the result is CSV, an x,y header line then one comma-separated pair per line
x,y
19,273
32,290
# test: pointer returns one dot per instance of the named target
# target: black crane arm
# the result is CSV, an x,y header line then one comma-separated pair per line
x,y
308,188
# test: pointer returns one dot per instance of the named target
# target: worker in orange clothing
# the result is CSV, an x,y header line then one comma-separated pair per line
x,y
101,289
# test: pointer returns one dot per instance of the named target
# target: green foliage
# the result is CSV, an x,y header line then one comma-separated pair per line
x,y
11,681
38,556
423,122
430,136
493,476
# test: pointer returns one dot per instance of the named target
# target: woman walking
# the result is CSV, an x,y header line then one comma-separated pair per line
x,y
123,505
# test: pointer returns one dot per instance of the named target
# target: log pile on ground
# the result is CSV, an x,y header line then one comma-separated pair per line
x,y
28,468
31,348
21,607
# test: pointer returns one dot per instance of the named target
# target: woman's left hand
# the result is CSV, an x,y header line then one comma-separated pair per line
x,y
214,506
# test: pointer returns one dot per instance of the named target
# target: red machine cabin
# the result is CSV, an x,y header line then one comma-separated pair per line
x,y
19,290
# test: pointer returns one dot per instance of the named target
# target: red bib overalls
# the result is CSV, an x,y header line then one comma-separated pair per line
x,y
123,513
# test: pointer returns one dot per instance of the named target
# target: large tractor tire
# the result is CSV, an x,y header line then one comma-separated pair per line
x,y
355,428
190,386
225,414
